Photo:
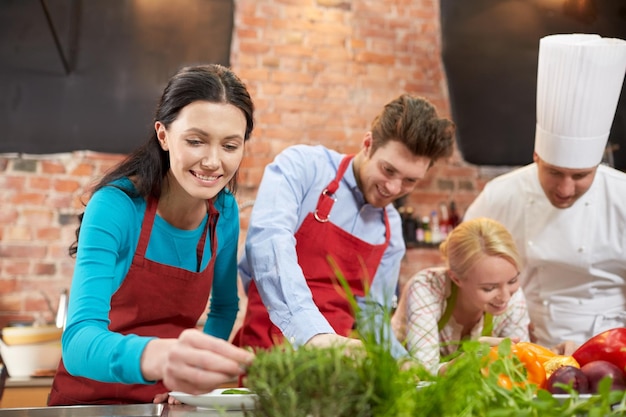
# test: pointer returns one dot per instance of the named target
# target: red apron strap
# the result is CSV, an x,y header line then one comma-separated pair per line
x,y
146,230
327,199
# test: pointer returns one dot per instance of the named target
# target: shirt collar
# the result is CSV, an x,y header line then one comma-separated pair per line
x,y
349,179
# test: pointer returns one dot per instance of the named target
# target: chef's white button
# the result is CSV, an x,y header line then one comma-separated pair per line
x,y
580,301
581,249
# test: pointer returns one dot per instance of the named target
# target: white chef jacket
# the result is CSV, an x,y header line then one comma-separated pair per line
x,y
574,277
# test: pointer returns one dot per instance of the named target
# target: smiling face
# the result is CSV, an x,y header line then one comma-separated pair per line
x,y
388,173
563,186
489,285
205,145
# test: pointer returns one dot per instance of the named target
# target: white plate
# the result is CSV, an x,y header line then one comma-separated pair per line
x,y
216,400
563,397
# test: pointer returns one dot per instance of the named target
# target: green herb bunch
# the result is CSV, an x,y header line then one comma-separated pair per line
x,y
308,382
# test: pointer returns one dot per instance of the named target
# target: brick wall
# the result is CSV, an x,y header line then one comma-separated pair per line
x,y
318,71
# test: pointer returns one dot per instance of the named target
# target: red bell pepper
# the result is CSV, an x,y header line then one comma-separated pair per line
x,y
609,345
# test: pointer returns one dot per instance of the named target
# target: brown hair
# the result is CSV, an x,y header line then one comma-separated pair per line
x,y
413,121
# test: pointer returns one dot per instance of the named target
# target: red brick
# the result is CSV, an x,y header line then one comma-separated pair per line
x,y
252,177
252,21
44,269
256,74
247,34
254,149
28,198
51,167
250,47
48,234
291,77
13,182
8,285
37,216
24,251
60,201
8,215
374,58
82,170
18,233
66,186
255,162
39,182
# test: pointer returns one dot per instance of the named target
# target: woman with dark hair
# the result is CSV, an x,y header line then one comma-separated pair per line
x,y
158,236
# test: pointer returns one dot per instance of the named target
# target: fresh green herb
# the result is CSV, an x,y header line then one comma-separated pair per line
x,y
236,391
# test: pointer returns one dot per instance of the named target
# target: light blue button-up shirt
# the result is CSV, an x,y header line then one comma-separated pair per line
x,y
289,191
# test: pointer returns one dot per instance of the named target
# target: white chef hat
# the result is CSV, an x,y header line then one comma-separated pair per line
x,y
579,79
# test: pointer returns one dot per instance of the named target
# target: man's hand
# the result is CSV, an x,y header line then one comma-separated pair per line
x,y
330,339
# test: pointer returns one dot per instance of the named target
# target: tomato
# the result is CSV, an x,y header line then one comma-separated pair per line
x,y
609,345
559,361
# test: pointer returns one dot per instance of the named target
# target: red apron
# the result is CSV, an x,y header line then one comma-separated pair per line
x,y
153,300
316,239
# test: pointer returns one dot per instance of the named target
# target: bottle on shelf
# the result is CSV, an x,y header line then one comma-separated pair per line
x,y
428,237
444,221
419,231
409,225
434,227
454,216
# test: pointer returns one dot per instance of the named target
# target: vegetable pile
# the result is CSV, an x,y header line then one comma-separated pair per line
x,y
602,356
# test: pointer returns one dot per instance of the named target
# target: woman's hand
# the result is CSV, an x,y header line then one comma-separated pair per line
x,y
566,348
195,363
163,397
495,341
330,339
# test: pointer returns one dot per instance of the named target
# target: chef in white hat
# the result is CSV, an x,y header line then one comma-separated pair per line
x,y
567,211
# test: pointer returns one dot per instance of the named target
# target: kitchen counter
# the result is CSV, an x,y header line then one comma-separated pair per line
x,y
26,392
134,410
33,392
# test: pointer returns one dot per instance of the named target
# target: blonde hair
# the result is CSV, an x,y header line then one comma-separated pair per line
x,y
474,239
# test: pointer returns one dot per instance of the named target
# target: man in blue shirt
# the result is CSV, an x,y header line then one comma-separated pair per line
x,y
315,206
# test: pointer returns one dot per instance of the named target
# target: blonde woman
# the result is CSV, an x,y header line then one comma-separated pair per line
x,y
474,295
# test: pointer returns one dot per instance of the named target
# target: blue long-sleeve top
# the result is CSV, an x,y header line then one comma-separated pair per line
x,y
109,234
289,191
